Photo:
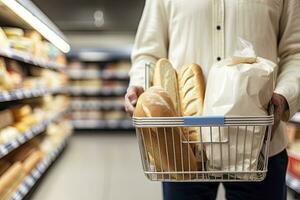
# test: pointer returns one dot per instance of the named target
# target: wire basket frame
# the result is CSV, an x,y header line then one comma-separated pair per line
x,y
228,149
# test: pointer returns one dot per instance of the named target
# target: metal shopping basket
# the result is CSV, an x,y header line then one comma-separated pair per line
x,y
234,148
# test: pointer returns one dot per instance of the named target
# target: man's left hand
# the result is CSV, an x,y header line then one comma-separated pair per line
x,y
280,106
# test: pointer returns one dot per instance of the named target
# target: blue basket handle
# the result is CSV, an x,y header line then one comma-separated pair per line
x,y
204,120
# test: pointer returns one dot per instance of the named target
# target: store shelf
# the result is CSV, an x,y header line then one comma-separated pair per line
x,y
27,135
296,118
25,58
292,182
96,106
96,74
105,91
37,172
19,94
102,124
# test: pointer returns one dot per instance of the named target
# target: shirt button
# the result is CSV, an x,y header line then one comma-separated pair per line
x,y
218,58
218,27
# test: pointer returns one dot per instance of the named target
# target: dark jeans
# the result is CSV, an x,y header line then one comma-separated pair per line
x,y
272,188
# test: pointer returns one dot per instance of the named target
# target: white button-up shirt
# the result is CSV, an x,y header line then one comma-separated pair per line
x,y
205,31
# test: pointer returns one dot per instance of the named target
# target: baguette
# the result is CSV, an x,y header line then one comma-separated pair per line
x,y
165,76
160,143
9,179
191,92
32,161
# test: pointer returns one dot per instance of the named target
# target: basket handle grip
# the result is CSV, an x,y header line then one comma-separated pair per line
x,y
204,120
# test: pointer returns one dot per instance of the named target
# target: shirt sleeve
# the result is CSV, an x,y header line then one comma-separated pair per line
x,y
151,42
288,80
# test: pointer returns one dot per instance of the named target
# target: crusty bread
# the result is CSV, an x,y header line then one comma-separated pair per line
x,y
165,76
32,161
191,92
9,179
161,143
4,165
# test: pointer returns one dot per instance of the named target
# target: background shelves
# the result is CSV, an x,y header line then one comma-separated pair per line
x,y
96,106
97,74
27,135
293,182
22,57
102,124
19,94
37,172
105,91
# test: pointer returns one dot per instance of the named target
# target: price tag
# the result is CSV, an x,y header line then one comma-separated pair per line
x,y
21,139
15,143
6,96
23,189
19,94
30,181
36,174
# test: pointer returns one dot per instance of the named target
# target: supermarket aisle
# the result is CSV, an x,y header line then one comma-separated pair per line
x,y
102,167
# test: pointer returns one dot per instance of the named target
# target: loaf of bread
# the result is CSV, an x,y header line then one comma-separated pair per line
x,y
165,76
9,179
191,92
4,165
32,160
164,145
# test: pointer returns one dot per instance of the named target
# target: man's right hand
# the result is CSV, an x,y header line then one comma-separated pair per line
x,y
131,98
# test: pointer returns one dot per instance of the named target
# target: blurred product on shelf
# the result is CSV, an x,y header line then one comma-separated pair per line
x,y
29,43
3,39
6,80
293,133
121,67
293,172
22,161
13,76
55,134
19,119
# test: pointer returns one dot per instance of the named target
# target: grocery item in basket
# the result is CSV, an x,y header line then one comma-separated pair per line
x,y
165,76
160,143
239,86
191,90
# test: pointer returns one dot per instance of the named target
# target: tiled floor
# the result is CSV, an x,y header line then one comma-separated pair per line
x,y
100,167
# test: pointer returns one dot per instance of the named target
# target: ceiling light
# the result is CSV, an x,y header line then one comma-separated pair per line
x,y
98,18
38,25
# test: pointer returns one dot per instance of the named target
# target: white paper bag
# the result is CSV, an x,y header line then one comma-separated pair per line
x,y
238,86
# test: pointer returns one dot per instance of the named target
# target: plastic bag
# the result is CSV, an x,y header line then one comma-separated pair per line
x,y
238,86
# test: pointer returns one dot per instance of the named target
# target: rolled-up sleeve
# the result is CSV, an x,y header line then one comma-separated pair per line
x,y
288,80
151,42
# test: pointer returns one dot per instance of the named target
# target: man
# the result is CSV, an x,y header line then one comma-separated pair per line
x,y
204,32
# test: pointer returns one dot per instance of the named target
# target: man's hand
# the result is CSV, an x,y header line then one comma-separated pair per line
x,y
131,98
280,106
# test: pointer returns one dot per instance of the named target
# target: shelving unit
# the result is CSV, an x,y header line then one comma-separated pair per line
x,y
30,60
102,124
33,98
293,171
98,89
38,172
20,94
29,134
